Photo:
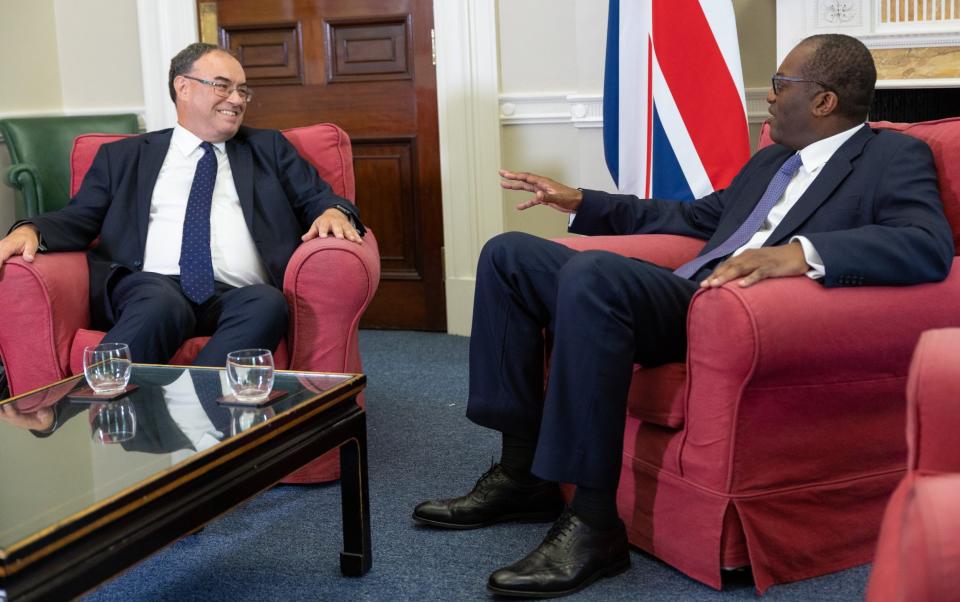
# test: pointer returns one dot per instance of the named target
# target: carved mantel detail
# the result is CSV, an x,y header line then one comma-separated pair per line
x,y
838,12
915,44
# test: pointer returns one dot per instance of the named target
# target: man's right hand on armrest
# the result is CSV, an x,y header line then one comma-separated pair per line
x,y
24,240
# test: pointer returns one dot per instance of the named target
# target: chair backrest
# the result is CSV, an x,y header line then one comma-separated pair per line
x,y
324,145
44,143
943,136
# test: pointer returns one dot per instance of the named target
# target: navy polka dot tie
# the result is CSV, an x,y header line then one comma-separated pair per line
x,y
196,267
749,227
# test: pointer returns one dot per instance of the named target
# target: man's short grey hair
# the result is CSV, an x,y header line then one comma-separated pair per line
x,y
183,62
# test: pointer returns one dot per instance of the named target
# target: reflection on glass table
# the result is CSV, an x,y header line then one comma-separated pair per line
x,y
65,454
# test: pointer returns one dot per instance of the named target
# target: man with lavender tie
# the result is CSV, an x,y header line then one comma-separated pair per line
x,y
832,200
195,224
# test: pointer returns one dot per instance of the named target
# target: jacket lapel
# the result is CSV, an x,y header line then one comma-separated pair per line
x,y
241,164
153,152
832,174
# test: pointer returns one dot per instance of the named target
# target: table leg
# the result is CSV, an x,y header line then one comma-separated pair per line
x,y
355,559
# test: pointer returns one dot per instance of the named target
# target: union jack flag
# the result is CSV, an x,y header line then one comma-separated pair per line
x,y
674,115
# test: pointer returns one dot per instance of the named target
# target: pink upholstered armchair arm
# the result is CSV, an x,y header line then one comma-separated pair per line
x,y
328,284
44,303
662,249
760,357
933,403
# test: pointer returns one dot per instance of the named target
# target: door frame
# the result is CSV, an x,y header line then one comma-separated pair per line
x,y
468,73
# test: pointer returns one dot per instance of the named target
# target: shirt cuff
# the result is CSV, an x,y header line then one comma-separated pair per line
x,y
817,269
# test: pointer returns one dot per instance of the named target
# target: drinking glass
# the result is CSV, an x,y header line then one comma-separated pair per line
x,y
107,367
250,372
113,421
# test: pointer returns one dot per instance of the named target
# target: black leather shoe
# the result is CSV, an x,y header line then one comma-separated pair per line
x,y
496,498
572,556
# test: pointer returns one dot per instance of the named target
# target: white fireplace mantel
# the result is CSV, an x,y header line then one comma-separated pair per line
x,y
798,19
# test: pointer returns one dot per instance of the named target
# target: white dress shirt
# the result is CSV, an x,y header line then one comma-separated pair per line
x,y
814,156
235,258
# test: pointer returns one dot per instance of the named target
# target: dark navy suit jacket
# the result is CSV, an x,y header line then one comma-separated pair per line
x,y
873,213
280,194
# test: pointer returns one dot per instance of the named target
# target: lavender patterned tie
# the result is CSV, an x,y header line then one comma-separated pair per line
x,y
750,225
196,265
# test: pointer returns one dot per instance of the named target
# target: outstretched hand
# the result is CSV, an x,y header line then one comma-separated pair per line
x,y
545,191
755,265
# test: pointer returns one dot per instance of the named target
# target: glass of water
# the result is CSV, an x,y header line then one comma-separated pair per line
x,y
107,367
250,372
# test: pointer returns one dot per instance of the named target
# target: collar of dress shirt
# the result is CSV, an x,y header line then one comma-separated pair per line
x,y
187,142
815,155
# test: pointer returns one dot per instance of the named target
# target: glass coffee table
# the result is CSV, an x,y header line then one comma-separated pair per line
x,y
90,487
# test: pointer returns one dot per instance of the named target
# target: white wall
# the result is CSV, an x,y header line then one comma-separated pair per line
x,y
551,48
99,55
63,57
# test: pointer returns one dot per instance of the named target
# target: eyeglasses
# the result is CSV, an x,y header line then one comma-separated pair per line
x,y
224,90
777,82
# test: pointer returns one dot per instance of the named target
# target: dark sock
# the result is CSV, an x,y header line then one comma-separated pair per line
x,y
596,507
517,458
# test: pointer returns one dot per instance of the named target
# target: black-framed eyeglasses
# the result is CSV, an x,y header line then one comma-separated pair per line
x,y
225,90
777,82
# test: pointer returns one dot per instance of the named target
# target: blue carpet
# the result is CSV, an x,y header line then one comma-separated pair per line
x,y
285,543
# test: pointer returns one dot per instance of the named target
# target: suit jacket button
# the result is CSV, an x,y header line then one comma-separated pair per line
x,y
137,263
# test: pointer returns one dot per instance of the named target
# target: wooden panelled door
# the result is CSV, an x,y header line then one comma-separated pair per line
x,y
366,65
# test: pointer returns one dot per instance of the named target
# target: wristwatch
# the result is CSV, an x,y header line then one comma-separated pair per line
x,y
353,219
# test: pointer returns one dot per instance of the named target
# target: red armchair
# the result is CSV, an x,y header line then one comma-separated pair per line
x,y
328,284
918,553
778,441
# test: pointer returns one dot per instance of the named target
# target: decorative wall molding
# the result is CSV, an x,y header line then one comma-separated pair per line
x,y
917,39
581,110
756,104
834,13
586,110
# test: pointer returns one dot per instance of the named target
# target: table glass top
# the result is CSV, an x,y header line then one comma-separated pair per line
x,y
59,456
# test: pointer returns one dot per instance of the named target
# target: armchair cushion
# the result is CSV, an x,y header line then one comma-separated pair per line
x,y
40,155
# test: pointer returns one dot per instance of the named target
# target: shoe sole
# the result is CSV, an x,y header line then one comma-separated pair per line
x,y
610,571
528,517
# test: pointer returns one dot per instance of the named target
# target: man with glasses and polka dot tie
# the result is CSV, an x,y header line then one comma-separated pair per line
x,y
833,200
196,224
